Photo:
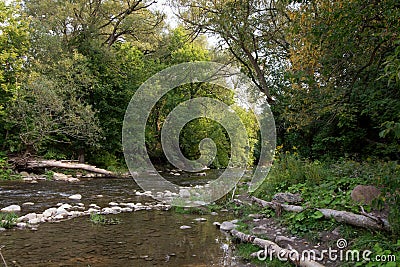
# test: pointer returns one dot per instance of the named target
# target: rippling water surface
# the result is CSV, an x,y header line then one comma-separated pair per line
x,y
142,238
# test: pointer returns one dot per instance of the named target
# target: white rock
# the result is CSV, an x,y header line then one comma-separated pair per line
x,y
11,208
76,213
21,225
60,176
200,219
76,197
61,211
28,217
214,213
227,226
126,210
34,221
116,209
66,206
94,206
49,212
73,180
177,174
27,179
24,174
92,210
113,204
184,193
183,227
28,204
59,217
99,195
148,193
140,208
130,205
80,204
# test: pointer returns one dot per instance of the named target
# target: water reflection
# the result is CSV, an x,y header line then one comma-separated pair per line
x,y
144,238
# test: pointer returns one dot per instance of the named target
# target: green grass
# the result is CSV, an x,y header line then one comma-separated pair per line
x,y
49,175
329,185
189,210
8,219
102,220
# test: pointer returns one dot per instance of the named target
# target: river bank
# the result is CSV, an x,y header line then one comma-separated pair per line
x,y
120,200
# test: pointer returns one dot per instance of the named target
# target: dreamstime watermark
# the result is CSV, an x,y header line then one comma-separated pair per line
x,y
340,253
145,100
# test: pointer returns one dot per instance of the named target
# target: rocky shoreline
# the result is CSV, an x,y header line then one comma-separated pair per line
x,y
66,211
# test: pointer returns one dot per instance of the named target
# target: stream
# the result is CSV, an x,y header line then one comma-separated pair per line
x,y
142,238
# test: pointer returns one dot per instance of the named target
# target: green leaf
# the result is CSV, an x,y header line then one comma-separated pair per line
x,y
317,215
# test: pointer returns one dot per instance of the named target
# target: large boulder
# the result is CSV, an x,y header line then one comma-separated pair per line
x,y
11,208
227,226
365,194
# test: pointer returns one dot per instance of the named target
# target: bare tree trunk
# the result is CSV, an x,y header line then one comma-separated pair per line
x,y
340,216
81,156
67,165
275,249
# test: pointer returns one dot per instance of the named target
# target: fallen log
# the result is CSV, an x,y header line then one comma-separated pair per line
x,y
339,216
273,249
67,165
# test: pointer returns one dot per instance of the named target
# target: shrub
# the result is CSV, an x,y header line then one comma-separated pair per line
x,y
8,219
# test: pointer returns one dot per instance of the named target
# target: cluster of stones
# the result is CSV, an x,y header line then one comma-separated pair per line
x,y
34,178
188,194
64,211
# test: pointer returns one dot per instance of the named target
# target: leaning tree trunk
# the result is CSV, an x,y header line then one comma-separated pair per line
x,y
67,165
369,222
271,247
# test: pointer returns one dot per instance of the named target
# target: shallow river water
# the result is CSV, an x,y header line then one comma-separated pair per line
x,y
142,238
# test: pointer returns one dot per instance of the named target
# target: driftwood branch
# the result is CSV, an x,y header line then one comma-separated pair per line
x,y
271,247
67,165
340,216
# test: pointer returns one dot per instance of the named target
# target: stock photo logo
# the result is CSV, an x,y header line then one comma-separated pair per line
x,y
246,94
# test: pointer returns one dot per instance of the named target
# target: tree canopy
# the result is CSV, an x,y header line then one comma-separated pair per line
x,y
329,69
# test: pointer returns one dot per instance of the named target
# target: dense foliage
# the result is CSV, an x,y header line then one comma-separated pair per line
x,y
330,70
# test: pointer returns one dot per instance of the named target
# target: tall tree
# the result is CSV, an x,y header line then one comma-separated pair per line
x,y
14,45
109,20
340,94
252,30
